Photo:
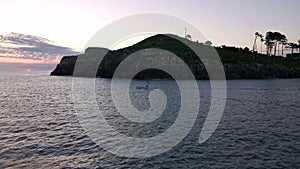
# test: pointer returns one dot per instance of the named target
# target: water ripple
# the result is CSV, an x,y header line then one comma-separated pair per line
x,y
39,128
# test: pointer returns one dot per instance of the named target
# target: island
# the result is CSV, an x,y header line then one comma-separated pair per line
x,y
238,63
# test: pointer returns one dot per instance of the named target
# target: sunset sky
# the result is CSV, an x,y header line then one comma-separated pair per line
x,y
36,33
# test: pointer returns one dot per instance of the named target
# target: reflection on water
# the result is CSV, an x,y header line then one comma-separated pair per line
x,y
39,128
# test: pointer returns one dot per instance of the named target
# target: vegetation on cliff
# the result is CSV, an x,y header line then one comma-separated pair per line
x,y
238,62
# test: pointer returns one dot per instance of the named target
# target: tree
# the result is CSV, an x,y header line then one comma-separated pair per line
x,y
189,37
272,40
299,45
208,43
292,46
246,49
261,44
257,34
283,42
278,37
269,42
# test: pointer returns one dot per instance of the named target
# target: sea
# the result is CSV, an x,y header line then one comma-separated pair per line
x,y
40,128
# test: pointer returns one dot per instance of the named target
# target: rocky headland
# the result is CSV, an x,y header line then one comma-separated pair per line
x,y
238,63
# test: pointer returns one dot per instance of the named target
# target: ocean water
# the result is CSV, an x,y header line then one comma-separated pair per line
x,y
39,127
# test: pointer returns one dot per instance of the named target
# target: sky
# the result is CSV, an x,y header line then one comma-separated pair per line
x,y
35,34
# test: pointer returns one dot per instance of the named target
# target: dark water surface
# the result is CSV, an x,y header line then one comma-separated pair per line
x,y
260,127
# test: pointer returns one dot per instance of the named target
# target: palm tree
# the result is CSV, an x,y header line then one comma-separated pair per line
x,y
257,34
254,44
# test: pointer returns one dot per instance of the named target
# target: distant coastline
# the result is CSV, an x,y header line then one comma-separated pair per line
x,y
238,63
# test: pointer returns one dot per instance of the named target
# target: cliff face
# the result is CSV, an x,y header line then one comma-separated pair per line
x,y
234,69
65,67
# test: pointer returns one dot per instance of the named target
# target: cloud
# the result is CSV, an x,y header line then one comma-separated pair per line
x,y
23,46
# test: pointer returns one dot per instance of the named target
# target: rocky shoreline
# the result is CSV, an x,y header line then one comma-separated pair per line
x,y
232,71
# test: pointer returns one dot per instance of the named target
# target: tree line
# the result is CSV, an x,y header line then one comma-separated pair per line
x,y
274,41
